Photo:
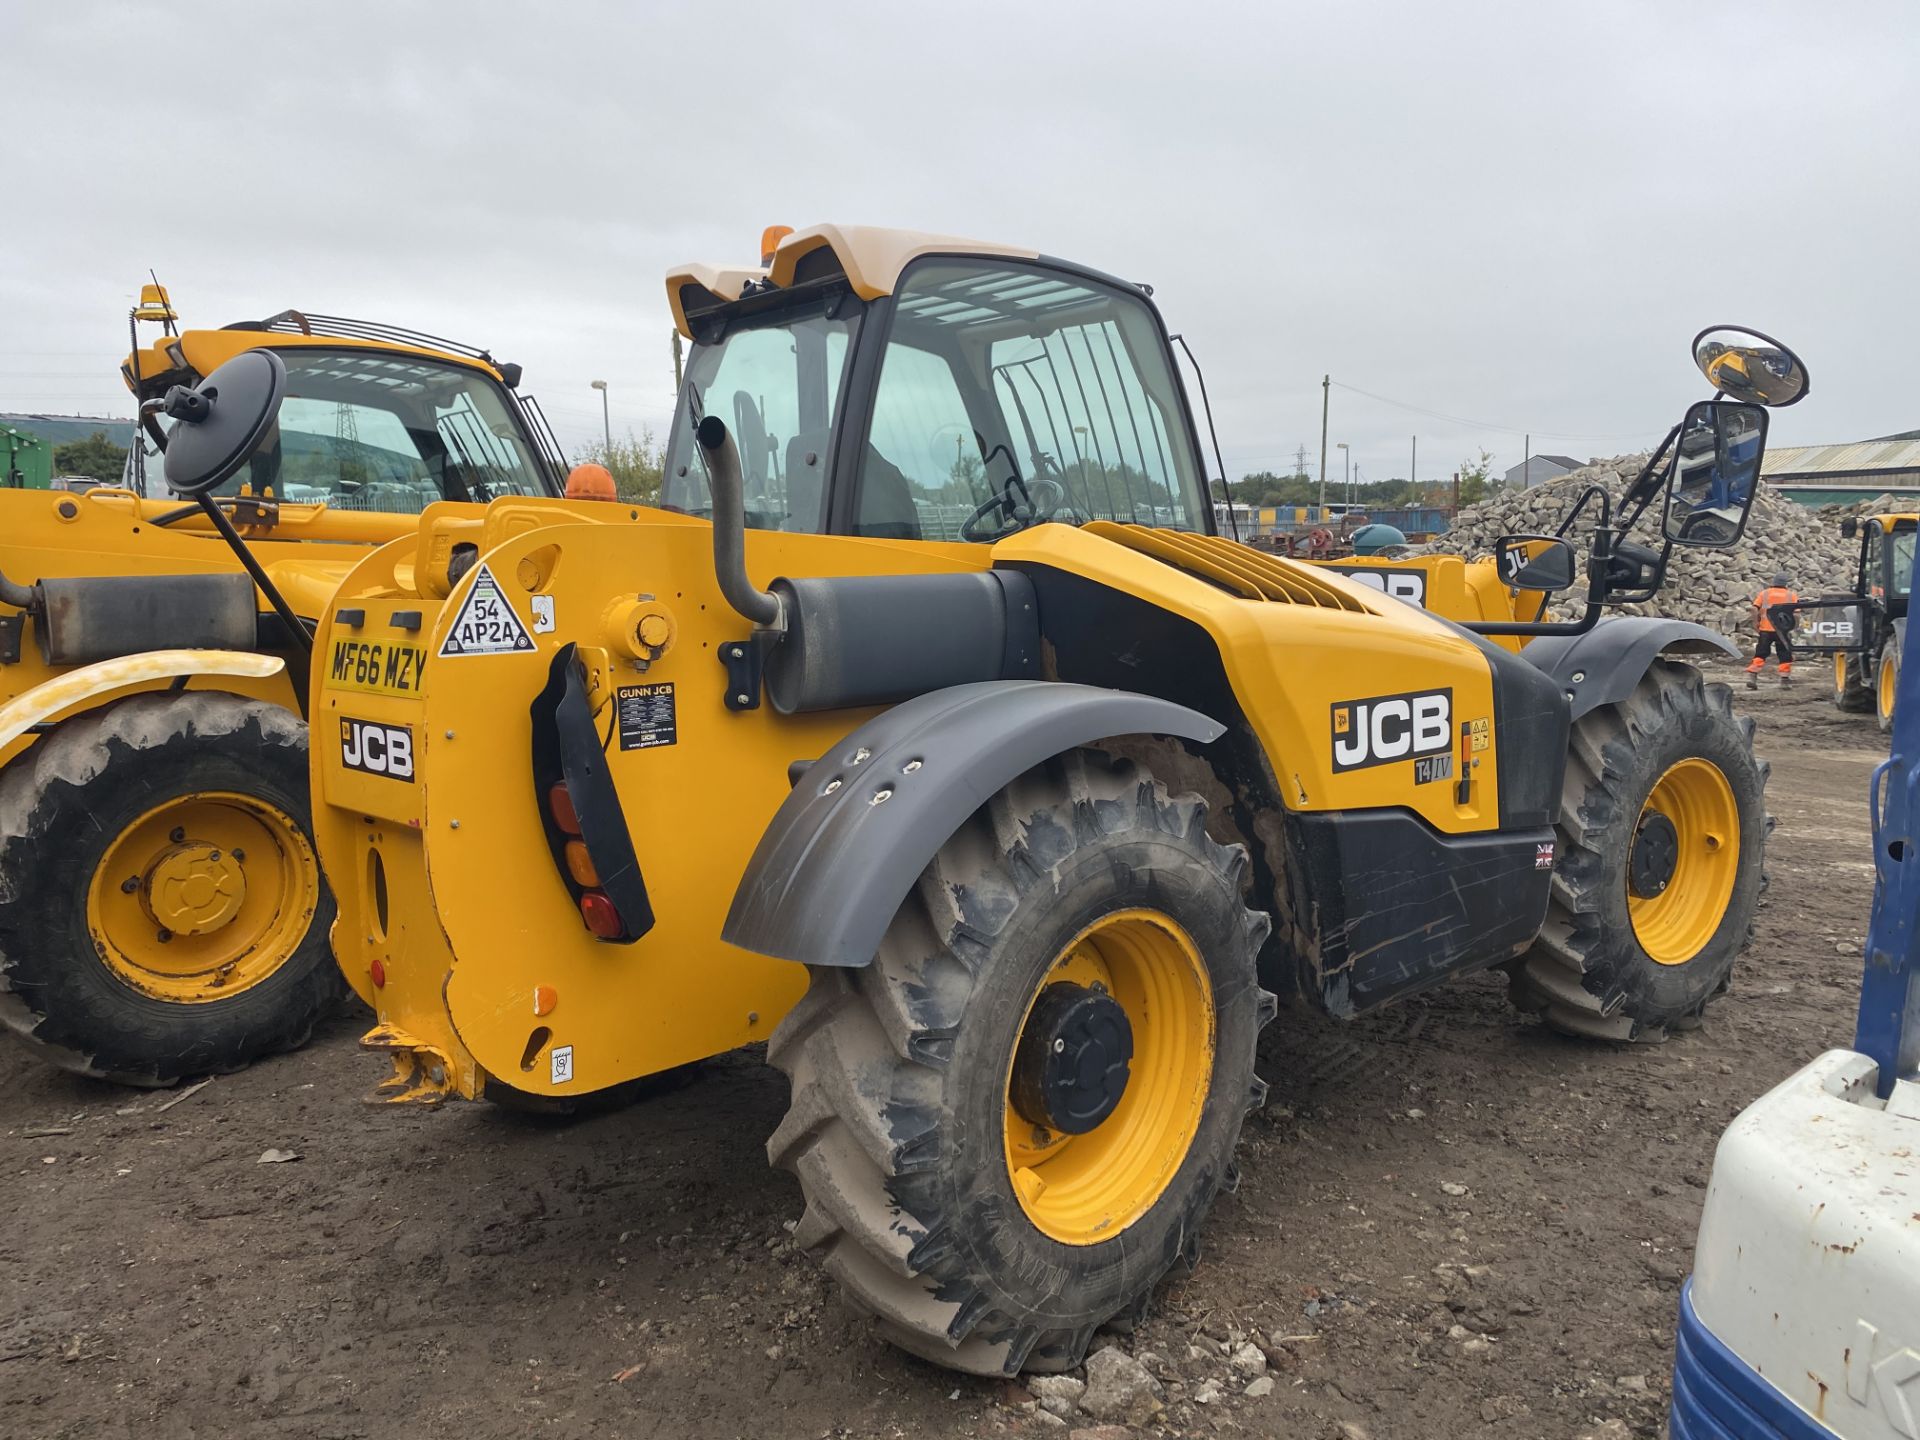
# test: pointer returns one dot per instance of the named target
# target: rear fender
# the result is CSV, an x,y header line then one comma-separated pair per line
x,y
88,682
1602,666
862,822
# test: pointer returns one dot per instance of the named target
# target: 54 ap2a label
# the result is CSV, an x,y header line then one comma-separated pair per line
x,y
486,624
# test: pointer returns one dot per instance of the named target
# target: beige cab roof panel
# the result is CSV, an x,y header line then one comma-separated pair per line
x,y
870,257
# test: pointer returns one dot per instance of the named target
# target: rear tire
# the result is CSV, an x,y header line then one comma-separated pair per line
x,y
1886,681
1851,692
901,1128
91,980
1591,972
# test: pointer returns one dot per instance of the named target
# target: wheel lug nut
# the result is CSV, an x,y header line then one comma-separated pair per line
x,y
177,835
129,885
164,936
239,856
214,856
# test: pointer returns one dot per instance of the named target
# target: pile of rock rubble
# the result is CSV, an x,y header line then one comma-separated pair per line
x,y
1712,587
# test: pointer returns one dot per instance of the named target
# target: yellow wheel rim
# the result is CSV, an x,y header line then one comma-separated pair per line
x,y
1083,1189
203,897
1675,925
1889,675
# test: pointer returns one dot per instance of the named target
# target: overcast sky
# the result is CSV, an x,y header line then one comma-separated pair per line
x,y
1512,215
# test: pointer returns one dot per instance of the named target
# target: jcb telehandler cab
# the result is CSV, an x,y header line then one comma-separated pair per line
x,y
927,731
161,906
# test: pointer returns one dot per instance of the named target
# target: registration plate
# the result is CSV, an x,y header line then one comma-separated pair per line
x,y
376,667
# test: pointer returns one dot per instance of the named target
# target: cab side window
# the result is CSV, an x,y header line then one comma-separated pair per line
x,y
922,473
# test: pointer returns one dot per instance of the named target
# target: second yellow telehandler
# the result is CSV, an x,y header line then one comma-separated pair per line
x,y
162,912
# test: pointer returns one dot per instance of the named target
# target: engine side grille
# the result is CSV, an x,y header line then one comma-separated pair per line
x,y
1238,568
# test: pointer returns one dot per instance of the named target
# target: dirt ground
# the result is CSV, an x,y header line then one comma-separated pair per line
x,y
1451,1223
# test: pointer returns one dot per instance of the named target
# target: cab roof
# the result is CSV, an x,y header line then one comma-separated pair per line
x,y
192,355
866,258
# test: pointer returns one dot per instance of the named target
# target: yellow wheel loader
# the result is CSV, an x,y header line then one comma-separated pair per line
x,y
926,732
162,911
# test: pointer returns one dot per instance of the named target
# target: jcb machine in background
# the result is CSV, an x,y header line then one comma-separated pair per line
x,y
1865,630
161,906
1010,843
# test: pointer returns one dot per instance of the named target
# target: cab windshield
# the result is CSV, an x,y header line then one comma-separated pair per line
x,y
375,431
1007,395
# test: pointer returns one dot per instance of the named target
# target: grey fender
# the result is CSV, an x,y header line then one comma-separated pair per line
x,y
1602,666
847,845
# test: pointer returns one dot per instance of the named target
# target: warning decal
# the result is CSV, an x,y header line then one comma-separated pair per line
x,y
646,714
486,624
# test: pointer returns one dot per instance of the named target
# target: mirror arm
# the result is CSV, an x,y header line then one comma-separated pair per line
x,y
150,422
297,627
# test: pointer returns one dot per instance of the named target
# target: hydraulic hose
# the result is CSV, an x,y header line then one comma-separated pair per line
x,y
730,526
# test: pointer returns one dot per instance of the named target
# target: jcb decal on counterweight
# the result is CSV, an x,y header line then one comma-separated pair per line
x,y
1386,728
486,624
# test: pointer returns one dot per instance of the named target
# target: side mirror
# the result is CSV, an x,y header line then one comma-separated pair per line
x,y
1534,562
222,421
1850,528
1716,469
1764,374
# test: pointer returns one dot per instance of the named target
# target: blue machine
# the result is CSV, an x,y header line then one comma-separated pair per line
x,y
1801,1320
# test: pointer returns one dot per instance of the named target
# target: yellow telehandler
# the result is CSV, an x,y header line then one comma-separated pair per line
x,y
162,912
927,732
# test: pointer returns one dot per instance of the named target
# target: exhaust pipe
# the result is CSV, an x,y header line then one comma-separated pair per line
x,y
730,527
21,597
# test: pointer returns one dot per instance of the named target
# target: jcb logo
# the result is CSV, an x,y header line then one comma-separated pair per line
x,y
1407,585
1391,727
377,749
1831,629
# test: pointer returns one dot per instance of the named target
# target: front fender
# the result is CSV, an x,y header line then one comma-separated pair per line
x,y
64,691
846,846
1602,666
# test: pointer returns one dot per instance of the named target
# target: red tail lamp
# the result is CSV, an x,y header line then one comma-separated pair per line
x,y
601,918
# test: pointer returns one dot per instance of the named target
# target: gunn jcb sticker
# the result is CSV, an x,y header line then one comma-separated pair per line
x,y
1386,728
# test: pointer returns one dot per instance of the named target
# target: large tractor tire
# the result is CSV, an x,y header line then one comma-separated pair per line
x,y
1011,1125
162,913
1887,681
1851,692
1662,854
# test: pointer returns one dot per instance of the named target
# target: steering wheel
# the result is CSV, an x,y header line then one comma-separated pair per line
x,y
1029,506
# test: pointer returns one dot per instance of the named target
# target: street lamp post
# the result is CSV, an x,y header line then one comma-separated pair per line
x,y
1346,460
606,419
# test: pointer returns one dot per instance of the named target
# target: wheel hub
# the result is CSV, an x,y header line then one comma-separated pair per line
x,y
193,888
1071,1067
1655,856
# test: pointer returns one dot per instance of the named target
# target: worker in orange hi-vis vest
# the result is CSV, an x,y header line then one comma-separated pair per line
x,y
1770,630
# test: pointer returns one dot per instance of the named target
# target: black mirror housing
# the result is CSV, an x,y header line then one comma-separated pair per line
x,y
1535,562
1762,373
220,423
1849,527
1715,473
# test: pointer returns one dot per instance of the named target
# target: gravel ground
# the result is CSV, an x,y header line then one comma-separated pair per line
x,y
1451,1223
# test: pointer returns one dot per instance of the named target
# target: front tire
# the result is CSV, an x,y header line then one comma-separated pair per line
x,y
975,1235
162,912
1662,840
1851,692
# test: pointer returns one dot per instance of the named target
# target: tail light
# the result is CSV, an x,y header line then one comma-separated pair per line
x,y
580,810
